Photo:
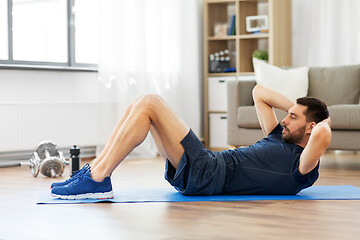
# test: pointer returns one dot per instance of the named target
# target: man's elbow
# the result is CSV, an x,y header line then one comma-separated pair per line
x,y
257,91
323,134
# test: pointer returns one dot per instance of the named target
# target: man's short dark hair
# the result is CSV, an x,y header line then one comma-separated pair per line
x,y
316,109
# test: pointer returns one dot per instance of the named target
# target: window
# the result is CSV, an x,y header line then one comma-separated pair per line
x,y
87,28
49,32
39,30
3,30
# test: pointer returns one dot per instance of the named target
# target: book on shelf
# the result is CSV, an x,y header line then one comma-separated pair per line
x,y
232,26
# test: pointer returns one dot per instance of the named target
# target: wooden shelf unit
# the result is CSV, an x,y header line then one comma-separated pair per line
x,y
277,41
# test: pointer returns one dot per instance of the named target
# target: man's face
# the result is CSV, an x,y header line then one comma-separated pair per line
x,y
295,125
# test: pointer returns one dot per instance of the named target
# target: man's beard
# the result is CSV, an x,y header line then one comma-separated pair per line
x,y
294,137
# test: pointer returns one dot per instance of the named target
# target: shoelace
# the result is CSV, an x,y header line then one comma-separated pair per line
x,y
86,167
80,176
77,173
76,181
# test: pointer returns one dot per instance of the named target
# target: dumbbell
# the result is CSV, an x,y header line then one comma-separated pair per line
x,y
47,160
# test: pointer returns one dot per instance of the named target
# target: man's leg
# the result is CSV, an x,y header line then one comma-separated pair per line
x,y
158,143
149,110
113,135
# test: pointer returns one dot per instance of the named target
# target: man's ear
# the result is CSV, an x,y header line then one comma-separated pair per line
x,y
310,127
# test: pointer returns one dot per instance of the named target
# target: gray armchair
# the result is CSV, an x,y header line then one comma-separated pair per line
x,y
338,87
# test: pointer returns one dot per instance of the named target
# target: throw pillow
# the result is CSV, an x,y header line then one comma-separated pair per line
x,y
293,83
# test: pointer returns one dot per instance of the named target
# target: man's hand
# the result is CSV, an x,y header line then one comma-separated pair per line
x,y
265,99
327,121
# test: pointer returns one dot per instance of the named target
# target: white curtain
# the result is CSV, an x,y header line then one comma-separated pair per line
x,y
150,47
326,32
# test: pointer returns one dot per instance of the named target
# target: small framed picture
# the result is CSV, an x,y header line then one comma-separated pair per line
x,y
220,29
257,23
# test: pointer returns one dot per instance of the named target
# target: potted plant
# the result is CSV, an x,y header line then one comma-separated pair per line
x,y
261,55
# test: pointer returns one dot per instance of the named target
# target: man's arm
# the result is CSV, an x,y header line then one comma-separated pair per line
x,y
265,99
319,141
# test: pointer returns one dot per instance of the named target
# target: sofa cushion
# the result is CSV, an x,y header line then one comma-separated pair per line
x,y
335,85
345,117
247,118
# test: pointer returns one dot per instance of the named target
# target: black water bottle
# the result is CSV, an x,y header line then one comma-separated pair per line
x,y
74,159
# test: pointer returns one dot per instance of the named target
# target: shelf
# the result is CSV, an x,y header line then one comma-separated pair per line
x,y
232,1
233,37
222,112
276,41
220,1
222,74
231,74
254,36
254,1
246,74
242,36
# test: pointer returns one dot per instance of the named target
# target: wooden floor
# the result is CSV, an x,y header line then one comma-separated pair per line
x,y
21,218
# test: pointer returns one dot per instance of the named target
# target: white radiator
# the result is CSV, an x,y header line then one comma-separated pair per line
x,y
23,126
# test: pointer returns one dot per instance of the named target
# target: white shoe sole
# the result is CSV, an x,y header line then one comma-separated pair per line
x,y
105,195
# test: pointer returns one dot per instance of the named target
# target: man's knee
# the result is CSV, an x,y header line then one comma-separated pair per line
x,y
149,102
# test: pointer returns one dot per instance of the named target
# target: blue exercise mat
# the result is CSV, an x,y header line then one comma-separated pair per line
x,y
335,192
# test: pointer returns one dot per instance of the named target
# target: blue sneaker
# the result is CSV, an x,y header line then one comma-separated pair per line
x,y
75,176
84,187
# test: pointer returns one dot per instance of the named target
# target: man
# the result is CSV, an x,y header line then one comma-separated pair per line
x,y
284,162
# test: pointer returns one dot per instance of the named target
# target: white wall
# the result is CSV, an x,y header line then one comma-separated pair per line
x,y
35,105
41,86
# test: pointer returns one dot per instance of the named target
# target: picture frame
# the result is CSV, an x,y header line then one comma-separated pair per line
x,y
257,23
220,29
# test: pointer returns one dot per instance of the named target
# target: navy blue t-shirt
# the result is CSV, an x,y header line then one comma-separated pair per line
x,y
270,166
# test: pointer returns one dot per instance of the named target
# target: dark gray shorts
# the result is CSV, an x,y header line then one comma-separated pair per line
x,y
200,171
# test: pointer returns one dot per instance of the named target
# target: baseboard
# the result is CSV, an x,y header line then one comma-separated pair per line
x,y
24,155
